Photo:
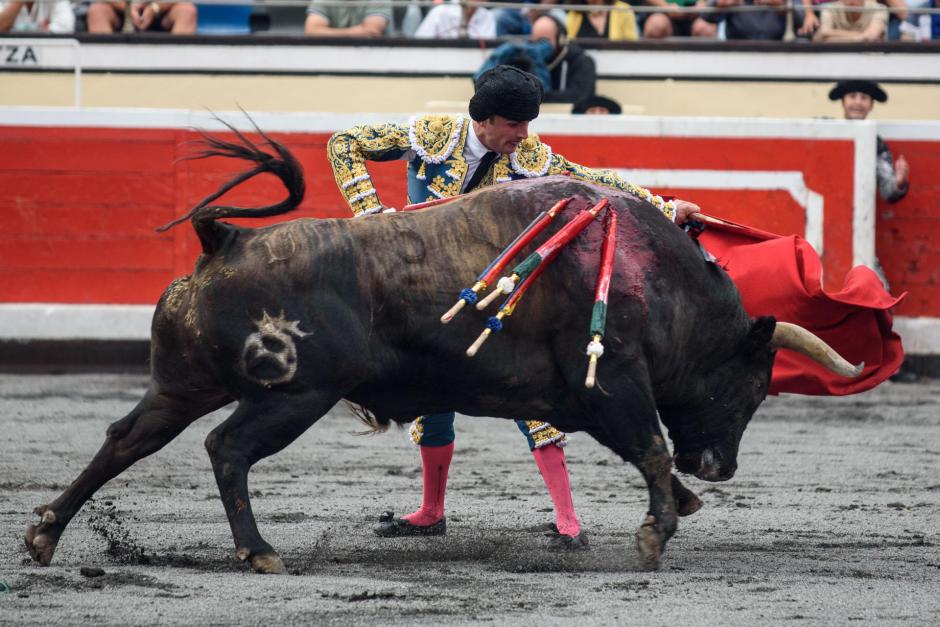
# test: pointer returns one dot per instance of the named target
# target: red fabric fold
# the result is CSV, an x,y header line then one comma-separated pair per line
x,y
781,276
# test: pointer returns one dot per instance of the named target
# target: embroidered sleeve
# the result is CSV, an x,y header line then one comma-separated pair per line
x,y
608,178
348,152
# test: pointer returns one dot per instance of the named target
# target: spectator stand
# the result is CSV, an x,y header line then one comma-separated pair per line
x,y
280,17
216,18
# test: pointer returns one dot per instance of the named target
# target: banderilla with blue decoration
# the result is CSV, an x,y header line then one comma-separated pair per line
x,y
560,239
531,268
469,294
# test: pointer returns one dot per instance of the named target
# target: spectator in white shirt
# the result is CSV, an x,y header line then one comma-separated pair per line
x,y
44,17
448,21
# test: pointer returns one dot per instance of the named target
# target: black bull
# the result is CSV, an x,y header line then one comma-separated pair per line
x,y
289,319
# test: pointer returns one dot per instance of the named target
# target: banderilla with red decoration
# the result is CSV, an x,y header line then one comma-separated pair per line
x,y
599,314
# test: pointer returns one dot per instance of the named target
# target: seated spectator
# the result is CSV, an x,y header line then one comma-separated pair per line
x,y
43,17
519,22
450,21
573,72
761,25
331,20
806,17
901,21
675,21
843,21
906,22
597,105
567,74
613,25
178,18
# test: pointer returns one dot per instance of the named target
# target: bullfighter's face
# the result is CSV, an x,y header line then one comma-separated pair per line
x,y
501,134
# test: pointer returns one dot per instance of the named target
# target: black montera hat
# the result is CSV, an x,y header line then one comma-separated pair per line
x,y
866,87
507,91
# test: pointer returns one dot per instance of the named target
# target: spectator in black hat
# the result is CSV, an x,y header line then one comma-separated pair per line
x,y
858,99
597,105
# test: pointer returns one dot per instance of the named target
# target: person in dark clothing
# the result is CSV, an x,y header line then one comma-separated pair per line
x,y
767,25
573,72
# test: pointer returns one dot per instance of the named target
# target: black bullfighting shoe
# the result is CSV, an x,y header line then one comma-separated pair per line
x,y
391,527
560,542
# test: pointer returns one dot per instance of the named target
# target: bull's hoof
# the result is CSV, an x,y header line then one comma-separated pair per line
x,y
41,547
649,544
270,564
688,503
264,563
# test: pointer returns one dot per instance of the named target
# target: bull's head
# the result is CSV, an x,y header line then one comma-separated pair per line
x,y
706,434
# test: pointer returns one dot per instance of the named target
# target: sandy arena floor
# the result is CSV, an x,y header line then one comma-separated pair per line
x,y
833,518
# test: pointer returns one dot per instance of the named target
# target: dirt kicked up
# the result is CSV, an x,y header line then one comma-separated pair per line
x,y
833,517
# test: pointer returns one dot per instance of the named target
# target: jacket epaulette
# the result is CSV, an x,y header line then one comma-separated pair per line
x,y
434,137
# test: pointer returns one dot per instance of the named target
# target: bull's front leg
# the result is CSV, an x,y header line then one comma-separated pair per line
x,y
637,439
661,520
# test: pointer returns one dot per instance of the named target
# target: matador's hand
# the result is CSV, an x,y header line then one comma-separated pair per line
x,y
686,210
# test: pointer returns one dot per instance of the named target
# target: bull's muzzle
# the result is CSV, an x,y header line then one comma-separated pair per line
x,y
711,464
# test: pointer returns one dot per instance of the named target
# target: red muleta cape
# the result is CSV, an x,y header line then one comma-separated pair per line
x,y
780,276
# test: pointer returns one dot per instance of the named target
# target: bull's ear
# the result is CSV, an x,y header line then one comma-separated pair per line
x,y
760,334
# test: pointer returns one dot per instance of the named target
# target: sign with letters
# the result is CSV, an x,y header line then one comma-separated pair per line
x,y
20,55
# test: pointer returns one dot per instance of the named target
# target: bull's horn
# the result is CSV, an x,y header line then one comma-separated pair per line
x,y
798,339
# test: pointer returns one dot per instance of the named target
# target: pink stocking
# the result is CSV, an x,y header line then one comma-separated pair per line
x,y
435,461
551,462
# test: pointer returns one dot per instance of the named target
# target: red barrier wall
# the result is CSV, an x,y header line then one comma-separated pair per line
x,y
79,205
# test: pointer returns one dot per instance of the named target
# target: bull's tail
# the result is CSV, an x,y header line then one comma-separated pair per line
x,y
370,420
281,163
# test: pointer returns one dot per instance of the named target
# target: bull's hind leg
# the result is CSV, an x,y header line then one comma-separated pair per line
x,y
157,419
257,429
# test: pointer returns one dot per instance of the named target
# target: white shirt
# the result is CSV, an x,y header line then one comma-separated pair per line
x,y
473,152
443,22
47,17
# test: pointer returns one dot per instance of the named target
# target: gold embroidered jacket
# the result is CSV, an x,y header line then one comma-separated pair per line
x,y
433,145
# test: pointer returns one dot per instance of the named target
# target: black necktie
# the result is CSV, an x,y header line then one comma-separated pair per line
x,y
485,164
